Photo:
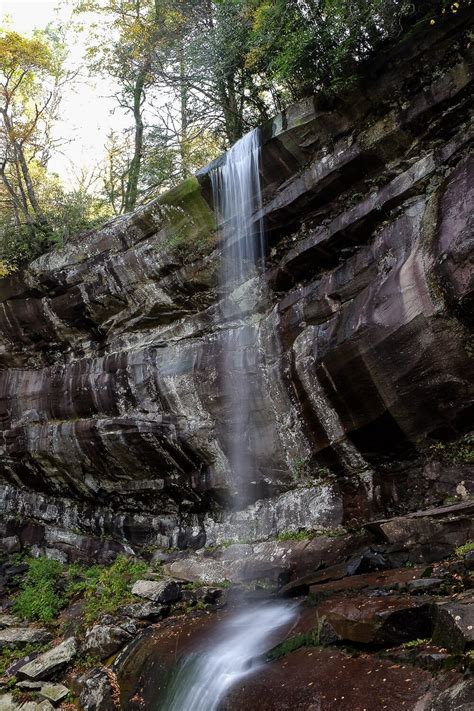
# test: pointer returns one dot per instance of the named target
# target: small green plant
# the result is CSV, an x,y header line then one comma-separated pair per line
x,y
41,597
109,588
300,468
415,643
461,551
459,452
84,662
294,535
304,639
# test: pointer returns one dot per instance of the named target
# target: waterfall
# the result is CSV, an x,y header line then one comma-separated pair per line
x,y
202,680
237,197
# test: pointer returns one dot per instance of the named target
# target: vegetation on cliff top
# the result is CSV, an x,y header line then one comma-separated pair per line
x,y
191,75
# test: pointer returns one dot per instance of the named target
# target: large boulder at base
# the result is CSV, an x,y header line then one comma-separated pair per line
x,y
459,697
47,664
382,621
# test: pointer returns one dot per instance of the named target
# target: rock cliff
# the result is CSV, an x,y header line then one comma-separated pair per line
x,y
113,422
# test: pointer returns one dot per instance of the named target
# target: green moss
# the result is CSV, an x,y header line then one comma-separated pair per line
x,y
466,548
188,220
294,535
304,535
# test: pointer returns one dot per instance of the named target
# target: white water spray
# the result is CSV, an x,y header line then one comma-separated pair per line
x,y
203,680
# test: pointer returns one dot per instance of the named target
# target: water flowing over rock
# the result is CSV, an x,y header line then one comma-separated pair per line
x,y
111,393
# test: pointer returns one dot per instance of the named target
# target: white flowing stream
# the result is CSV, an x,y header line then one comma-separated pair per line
x,y
203,679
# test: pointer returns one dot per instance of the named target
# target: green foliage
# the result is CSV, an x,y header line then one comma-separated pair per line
x,y
40,597
65,214
460,452
106,589
317,43
461,551
48,587
413,643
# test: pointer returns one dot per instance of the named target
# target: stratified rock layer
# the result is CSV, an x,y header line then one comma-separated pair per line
x,y
113,420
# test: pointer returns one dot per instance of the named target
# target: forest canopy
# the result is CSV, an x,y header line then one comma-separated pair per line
x,y
190,76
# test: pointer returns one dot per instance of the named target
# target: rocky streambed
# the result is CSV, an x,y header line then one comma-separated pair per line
x,y
384,619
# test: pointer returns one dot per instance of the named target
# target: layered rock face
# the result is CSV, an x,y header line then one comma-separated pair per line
x,y
113,420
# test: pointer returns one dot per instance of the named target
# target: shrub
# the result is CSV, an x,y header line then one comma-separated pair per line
x,y
106,589
40,597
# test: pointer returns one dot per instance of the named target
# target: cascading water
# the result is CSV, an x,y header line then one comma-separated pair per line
x,y
237,197
203,680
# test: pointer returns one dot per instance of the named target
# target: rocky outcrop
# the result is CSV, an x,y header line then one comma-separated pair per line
x,y
113,421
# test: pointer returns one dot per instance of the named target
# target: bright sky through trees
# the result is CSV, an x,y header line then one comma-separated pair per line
x,y
86,116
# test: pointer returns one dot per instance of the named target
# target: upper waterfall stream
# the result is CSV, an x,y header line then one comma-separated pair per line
x,y
202,680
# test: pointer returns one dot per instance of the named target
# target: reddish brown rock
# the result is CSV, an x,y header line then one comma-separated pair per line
x,y
382,621
323,680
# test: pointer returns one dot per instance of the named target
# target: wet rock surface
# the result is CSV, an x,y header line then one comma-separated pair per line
x,y
113,428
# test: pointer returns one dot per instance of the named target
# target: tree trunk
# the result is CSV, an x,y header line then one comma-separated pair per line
x,y
131,191
183,95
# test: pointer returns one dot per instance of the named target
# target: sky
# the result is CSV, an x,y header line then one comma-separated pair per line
x,y
86,111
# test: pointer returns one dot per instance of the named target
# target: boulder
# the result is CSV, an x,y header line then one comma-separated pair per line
x,y
459,697
10,621
454,623
98,692
469,560
143,611
10,544
381,621
46,665
54,693
163,591
19,637
104,640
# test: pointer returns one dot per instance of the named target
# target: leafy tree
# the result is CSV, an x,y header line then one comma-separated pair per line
x,y
29,80
140,33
